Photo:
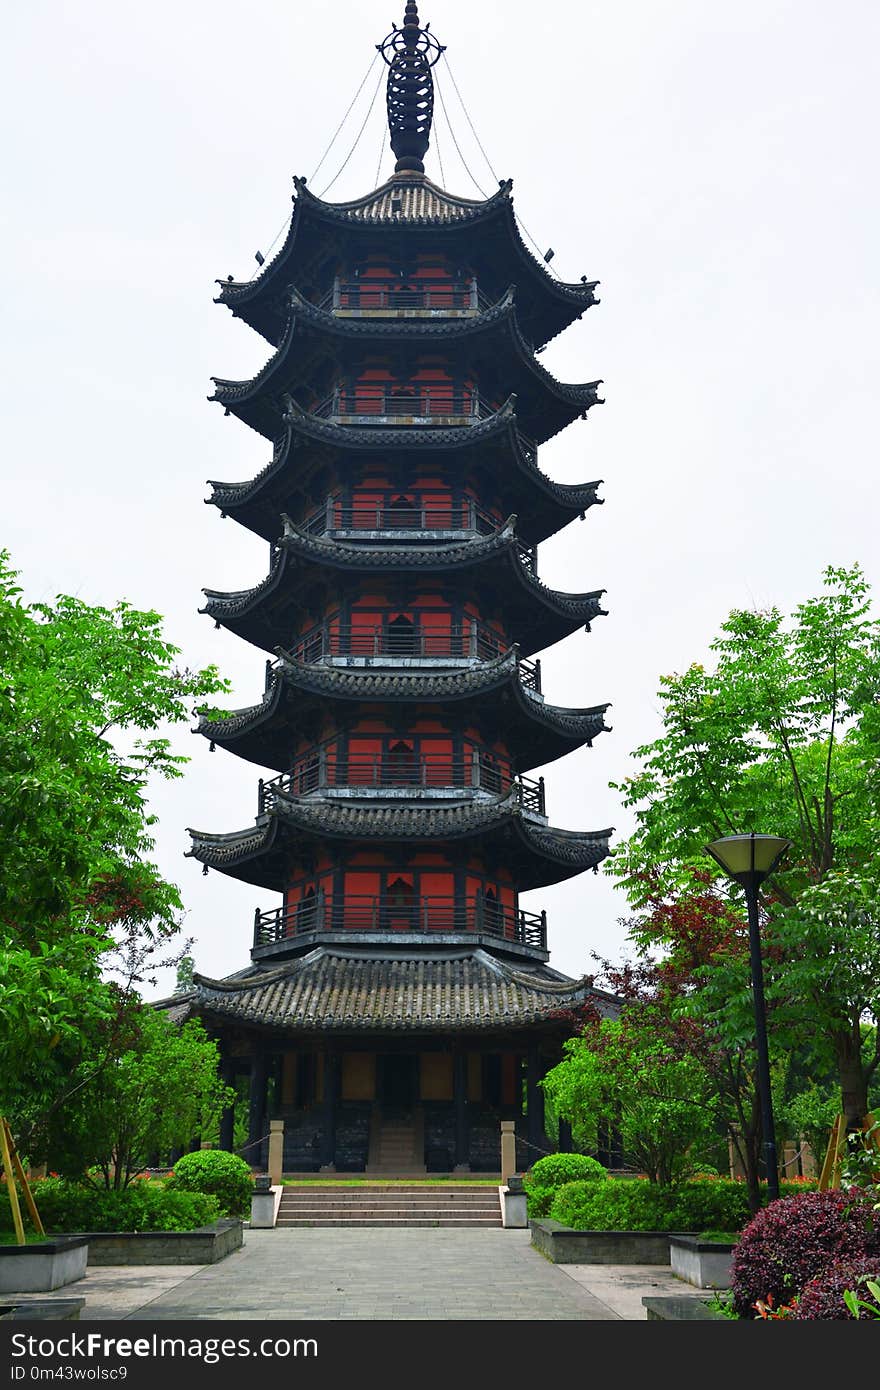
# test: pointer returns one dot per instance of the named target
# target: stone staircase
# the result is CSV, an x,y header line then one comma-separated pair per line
x,y
463,1206
397,1144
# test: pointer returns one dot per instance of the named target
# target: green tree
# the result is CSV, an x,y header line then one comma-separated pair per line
x,y
86,697
629,1075
782,734
158,1090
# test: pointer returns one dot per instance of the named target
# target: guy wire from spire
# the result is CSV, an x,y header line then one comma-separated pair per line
x,y
328,186
345,117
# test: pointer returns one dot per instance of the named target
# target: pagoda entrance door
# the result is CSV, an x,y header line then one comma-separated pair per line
x,y
398,1088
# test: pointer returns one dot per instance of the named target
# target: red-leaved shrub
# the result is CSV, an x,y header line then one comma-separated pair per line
x,y
792,1240
822,1296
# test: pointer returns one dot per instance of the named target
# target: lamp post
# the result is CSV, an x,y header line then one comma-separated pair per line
x,y
748,860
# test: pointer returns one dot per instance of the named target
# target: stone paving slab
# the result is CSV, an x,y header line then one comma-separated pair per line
x,y
377,1274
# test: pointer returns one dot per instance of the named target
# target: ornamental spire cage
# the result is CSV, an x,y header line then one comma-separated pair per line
x,y
410,53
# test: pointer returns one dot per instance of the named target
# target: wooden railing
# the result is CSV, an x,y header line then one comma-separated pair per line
x,y
325,768
422,915
431,296
390,404
476,641
334,515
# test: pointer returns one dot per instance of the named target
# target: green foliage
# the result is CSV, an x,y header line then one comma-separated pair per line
x,y
644,1206
154,1089
86,694
144,1206
549,1173
622,1074
863,1303
781,733
226,1176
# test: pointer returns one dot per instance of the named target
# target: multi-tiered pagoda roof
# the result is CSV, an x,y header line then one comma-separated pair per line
x,y
402,710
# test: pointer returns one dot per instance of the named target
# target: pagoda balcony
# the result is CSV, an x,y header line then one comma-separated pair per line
x,y
413,405
324,772
422,917
430,520
350,646
369,298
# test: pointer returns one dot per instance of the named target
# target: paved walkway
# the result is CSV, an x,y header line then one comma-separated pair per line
x,y
381,1274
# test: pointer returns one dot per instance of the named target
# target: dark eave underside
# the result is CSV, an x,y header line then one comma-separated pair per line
x,y
261,854
536,733
549,613
307,442
486,230
546,405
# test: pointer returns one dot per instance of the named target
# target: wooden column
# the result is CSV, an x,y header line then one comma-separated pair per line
x,y
256,1108
459,1091
331,1105
535,1101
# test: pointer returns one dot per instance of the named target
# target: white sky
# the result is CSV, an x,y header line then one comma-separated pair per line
x,y
714,166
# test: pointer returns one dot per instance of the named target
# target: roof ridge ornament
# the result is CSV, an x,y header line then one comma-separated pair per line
x,y
410,53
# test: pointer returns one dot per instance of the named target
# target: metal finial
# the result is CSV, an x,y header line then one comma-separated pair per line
x,y
410,53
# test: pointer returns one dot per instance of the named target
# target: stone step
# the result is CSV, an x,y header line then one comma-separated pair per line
x,y
397,1209
467,1203
358,1221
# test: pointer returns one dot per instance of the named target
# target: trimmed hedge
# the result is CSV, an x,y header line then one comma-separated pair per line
x,y
143,1206
220,1174
790,1242
545,1177
638,1205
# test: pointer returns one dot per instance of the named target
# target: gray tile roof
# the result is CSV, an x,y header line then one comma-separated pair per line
x,y
384,990
410,686
260,853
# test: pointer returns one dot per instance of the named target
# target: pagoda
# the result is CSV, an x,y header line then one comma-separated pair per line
x,y
399,1000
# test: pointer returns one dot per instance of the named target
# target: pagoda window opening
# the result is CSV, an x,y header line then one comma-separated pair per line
x,y
400,766
307,910
402,636
402,514
401,906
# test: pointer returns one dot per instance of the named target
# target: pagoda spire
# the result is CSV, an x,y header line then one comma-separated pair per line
x,y
410,53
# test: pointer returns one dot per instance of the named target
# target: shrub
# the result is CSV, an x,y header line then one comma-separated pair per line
x,y
144,1206
549,1173
636,1205
787,1244
223,1175
822,1296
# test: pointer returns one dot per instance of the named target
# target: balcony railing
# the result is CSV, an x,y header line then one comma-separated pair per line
x,y
381,405
324,769
474,642
422,915
419,296
466,516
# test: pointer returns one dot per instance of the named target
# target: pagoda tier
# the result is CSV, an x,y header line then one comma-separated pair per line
x,y
329,243
296,830
498,695
405,371
313,574
317,465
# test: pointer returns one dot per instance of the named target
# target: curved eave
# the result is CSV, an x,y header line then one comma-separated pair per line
x,y
262,733
553,614
261,855
391,987
546,506
556,303
546,405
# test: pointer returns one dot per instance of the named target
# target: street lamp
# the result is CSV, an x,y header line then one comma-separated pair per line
x,y
749,859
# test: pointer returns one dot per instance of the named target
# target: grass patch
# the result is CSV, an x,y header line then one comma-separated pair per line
x,y
725,1237
30,1238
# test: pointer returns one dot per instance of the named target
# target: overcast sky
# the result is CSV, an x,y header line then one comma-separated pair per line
x,y
714,166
